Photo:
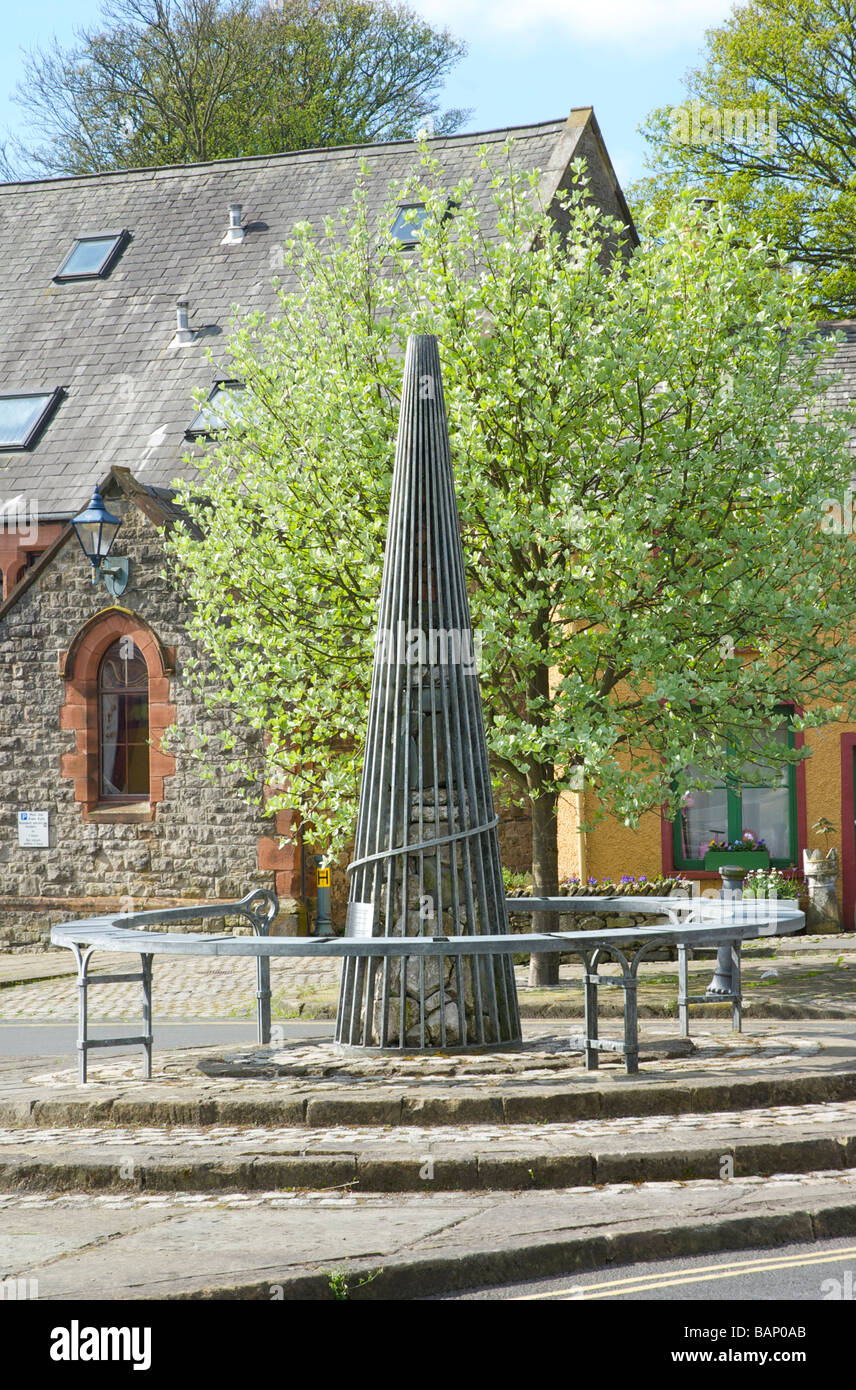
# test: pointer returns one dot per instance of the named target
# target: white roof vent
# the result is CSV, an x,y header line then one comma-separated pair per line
x,y
183,332
234,233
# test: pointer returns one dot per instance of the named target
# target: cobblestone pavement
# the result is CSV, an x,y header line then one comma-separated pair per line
x,y
642,1147
184,988
836,1180
535,1058
545,1059
767,1068
814,975
808,1119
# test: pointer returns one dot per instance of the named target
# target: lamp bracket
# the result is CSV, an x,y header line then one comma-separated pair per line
x,y
116,571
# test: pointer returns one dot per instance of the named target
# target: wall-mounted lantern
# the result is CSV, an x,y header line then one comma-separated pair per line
x,y
96,530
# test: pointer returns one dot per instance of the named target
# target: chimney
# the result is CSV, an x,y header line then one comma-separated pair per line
x,y
234,233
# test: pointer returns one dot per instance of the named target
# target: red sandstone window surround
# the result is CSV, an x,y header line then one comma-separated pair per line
x,y
112,661
123,723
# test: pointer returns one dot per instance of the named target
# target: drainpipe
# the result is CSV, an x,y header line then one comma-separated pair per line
x,y
302,866
583,856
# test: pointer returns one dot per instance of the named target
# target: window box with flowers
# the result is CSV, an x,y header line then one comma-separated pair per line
x,y
748,852
755,800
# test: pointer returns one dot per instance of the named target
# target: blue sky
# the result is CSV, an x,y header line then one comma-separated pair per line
x,y
528,60
532,60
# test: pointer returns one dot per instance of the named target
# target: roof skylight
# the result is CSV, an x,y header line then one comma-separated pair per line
x,y
408,223
222,407
23,416
92,257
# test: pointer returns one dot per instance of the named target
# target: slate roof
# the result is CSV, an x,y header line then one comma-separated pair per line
x,y
842,368
109,342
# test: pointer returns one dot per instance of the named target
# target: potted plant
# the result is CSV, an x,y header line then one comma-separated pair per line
x,y
821,871
773,884
749,852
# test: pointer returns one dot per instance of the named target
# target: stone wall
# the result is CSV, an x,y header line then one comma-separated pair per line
x,y
589,921
201,842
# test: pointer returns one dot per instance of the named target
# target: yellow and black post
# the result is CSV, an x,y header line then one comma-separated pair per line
x,y
323,921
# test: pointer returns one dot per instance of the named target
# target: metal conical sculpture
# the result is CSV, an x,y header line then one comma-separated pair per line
x,y
426,858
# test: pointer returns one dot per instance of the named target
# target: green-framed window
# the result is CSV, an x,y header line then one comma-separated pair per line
x,y
727,811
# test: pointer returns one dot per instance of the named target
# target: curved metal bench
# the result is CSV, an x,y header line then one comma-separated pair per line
x,y
724,922
692,922
259,907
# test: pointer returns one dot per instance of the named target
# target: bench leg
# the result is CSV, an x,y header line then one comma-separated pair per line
x,y
736,988
263,998
631,1025
82,958
590,1023
148,1035
683,991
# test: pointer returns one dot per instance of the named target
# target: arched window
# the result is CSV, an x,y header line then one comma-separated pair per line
x,y
117,701
123,723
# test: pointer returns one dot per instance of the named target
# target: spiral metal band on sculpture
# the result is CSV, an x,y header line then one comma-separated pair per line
x,y
426,857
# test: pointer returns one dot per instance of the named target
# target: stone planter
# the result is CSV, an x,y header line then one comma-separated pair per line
x,y
746,858
823,913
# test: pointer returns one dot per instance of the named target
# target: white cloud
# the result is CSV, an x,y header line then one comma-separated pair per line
x,y
663,22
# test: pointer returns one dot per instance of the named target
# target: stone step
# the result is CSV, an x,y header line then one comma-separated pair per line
x,y
721,1146
160,1103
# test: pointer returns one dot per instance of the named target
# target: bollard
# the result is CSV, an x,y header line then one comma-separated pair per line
x,y
323,921
732,876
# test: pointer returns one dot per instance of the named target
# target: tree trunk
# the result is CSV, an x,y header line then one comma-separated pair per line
x,y
544,970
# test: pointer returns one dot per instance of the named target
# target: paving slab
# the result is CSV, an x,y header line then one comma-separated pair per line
x,y
32,1235
270,1246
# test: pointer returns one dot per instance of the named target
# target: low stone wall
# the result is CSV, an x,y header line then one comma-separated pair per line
x,y
590,921
25,929
596,922
25,923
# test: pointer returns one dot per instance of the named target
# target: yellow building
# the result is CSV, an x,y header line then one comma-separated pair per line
x,y
781,814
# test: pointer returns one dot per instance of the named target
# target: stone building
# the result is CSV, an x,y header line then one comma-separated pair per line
x,y
117,291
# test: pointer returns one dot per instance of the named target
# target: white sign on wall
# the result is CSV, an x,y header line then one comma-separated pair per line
x,y
33,829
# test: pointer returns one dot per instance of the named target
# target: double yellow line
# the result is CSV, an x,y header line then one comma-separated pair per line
x,y
704,1274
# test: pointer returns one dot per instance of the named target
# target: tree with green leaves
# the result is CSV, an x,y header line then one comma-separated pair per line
x,y
768,127
641,481
174,81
